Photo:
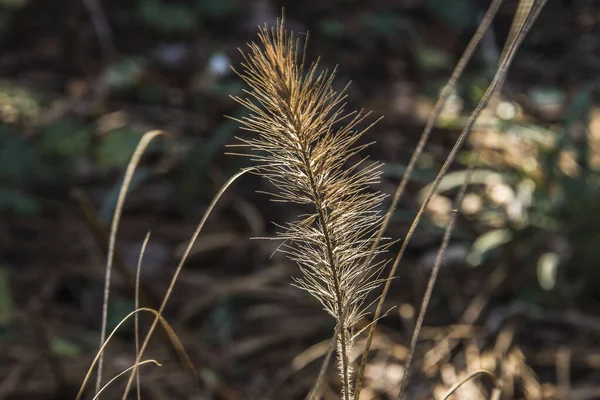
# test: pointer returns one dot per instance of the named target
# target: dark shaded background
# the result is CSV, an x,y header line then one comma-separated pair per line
x,y
82,80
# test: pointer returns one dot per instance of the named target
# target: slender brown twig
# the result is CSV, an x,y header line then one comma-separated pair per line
x,y
120,374
434,273
166,327
473,375
458,70
137,317
179,268
131,167
490,92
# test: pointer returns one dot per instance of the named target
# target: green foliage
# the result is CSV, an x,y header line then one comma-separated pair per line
x,y
65,348
486,243
124,73
5,21
17,104
396,171
107,208
433,58
12,3
201,154
383,25
331,27
460,15
66,138
150,95
552,214
6,13
214,9
118,309
18,163
6,300
172,18
29,166
16,201
17,158
117,146
167,17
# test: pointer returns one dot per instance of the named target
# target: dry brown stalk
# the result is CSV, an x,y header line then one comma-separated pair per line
x,y
437,110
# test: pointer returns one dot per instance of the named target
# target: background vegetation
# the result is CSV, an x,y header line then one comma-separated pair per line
x,y
81,80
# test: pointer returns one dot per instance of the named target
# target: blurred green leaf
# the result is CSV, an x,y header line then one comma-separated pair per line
x,y
13,3
403,215
124,72
486,243
151,95
118,308
397,171
18,103
5,21
542,96
222,322
18,158
455,179
6,300
578,112
26,170
219,137
65,348
547,269
432,58
66,137
110,200
227,88
216,8
15,200
548,100
167,17
477,88
332,28
460,15
117,146
383,24
201,155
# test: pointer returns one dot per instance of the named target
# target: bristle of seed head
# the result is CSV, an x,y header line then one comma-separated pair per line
x,y
302,142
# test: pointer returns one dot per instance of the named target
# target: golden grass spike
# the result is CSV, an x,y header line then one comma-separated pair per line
x,y
305,138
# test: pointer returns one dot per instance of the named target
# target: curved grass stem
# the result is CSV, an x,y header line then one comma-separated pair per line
x,y
179,267
496,83
131,167
473,375
439,105
167,328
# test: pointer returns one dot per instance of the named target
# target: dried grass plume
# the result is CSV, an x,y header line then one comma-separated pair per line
x,y
302,141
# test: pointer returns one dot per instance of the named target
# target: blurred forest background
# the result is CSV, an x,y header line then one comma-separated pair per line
x,y
82,80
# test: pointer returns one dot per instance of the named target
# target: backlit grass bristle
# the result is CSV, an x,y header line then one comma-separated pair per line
x,y
302,140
